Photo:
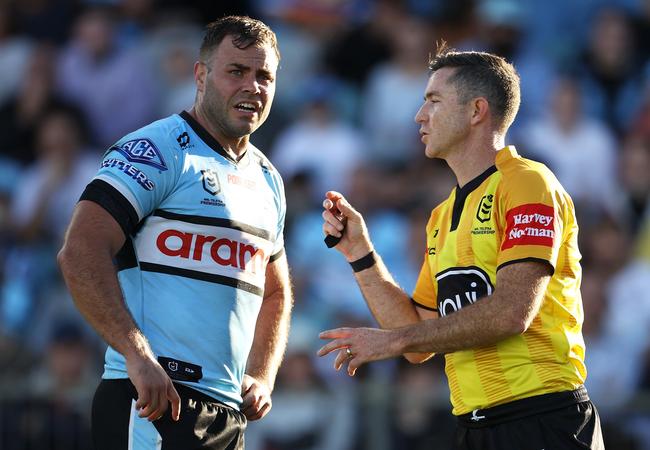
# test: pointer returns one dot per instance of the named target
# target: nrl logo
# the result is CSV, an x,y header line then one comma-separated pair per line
x,y
210,181
484,212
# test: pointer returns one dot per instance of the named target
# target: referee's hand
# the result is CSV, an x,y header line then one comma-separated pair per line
x,y
341,220
155,388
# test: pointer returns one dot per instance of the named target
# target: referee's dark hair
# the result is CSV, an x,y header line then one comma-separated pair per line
x,y
244,30
481,74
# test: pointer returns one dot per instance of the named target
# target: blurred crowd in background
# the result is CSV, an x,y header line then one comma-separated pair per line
x,y
77,75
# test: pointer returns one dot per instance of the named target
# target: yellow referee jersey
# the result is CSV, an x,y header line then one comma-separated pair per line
x,y
515,211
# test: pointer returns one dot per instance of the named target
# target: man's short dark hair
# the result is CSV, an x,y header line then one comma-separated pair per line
x,y
480,74
244,30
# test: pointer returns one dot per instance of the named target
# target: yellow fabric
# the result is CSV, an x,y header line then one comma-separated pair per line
x,y
518,212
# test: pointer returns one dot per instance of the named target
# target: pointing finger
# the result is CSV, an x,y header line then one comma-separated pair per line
x,y
336,333
331,346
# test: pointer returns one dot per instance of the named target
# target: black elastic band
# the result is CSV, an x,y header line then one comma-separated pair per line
x,y
364,263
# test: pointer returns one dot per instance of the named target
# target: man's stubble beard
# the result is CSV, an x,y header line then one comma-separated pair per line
x,y
218,117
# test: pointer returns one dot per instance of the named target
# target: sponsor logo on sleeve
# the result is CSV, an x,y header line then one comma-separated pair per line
x,y
461,286
139,176
142,151
530,224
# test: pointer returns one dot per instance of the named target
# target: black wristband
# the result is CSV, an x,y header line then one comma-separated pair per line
x,y
363,263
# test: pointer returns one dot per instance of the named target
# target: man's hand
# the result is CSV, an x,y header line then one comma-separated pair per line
x,y
341,219
154,387
256,398
358,346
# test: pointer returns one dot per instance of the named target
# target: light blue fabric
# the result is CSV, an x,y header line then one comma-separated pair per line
x,y
208,228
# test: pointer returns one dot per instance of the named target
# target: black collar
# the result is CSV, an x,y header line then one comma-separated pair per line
x,y
475,182
206,136
462,193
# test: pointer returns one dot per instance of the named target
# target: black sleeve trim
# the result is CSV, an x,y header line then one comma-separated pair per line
x,y
419,305
527,259
276,256
113,202
125,258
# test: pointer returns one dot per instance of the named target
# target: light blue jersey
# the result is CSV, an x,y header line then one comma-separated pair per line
x,y
201,229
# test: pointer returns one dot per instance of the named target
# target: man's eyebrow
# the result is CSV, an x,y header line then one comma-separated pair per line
x,y
244,67
430,94
239,66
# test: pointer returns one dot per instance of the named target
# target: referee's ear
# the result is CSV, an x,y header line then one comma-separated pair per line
x,y
480,111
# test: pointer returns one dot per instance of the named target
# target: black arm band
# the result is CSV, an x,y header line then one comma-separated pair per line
x,y
363,263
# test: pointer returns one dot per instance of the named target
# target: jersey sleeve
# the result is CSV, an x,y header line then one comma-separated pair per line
x,y
278,245
135,176
424,294
530,218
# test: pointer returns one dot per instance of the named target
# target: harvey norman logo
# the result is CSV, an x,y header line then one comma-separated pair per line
x,y
530,224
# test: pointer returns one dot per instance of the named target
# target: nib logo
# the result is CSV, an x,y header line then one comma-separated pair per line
x,y
461,286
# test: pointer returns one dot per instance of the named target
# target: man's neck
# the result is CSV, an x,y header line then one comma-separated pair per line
x,y
236,147
474,158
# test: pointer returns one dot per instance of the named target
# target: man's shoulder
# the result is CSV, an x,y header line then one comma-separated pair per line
x,y
258,157
165,129
527,173
153,144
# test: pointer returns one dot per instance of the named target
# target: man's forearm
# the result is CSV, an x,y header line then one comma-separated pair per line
x,y
271,334
508,312
389,304
92,281
472,327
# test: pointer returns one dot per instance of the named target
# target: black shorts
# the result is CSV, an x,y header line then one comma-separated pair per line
x,y
559,421
205,423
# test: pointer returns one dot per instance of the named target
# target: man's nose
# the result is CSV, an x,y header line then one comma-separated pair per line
x,y
419,116
252,85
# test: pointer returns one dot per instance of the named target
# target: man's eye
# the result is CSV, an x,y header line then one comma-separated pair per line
x,y
236,72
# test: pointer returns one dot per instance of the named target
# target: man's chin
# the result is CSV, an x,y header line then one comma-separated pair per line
x,y
431,153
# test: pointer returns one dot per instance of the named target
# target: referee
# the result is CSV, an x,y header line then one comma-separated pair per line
x,y
499,289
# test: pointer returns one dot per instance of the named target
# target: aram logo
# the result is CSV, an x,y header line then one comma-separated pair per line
x,y
222,251
142,151
210,181
461,286
484,211
530,224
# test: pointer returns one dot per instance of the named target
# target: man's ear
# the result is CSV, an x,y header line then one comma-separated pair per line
x,y
480,110
200,74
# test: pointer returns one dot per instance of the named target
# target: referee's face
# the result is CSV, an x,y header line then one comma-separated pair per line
x,y
444,122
